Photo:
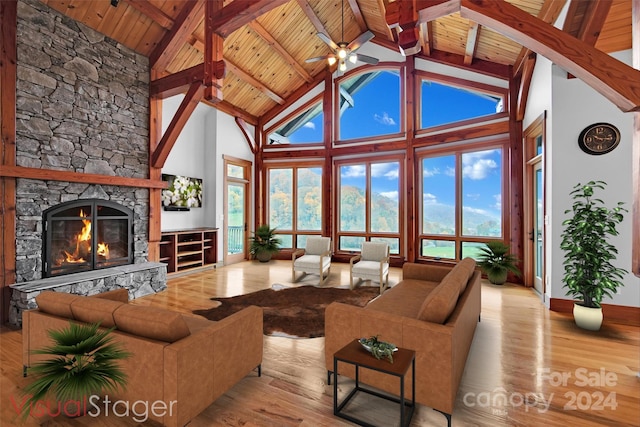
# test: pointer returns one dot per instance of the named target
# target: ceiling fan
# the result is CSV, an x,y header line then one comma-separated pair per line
x,y
343,51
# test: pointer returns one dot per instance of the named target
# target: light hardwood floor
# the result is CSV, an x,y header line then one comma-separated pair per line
x,y
527,366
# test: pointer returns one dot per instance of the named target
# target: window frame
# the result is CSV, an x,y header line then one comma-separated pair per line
x,y
318,99
382,66
421,76
294,232
367,233
458,237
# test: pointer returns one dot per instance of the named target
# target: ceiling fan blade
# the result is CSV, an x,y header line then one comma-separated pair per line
x,y
367,59
319,58
360,40
325,38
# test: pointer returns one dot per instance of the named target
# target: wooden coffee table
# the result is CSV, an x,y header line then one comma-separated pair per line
x,y
356,355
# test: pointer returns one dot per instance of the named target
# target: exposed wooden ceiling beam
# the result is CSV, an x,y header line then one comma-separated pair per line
x,y
244,128
243,75
613,79
179,120
152,12
271,41
253,81
593,21
237,14
184,25
383,11
213,50
312,17
549,13
426,37
524,86
355,8
176,83
472,42
479,65
233,111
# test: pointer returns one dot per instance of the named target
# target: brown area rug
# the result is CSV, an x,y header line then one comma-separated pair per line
x,y
298,312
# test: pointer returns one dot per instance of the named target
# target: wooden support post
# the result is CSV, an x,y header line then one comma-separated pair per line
x,y
213,50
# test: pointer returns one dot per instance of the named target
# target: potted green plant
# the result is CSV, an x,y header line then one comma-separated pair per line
x,y
264,243
589,273
496,261
82,362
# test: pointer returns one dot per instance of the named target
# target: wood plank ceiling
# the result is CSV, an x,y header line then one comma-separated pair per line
x,y
265,59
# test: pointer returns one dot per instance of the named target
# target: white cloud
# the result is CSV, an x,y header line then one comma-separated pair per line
x,y
384,119
450,171
309,125
477,166
393,195
498,204
353,171
427,173
429,199
477,211
389,170
474,196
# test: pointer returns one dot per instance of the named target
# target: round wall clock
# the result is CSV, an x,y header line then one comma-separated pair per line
x,y
599,138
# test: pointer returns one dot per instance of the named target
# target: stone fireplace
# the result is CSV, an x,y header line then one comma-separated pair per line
x,y
82,107
86,235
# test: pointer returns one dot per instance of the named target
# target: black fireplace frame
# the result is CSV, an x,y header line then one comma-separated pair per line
x,y
95,205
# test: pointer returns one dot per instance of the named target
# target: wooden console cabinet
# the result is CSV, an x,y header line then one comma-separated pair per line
x,y
184,250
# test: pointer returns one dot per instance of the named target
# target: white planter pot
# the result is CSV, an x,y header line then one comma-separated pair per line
x,y
587,318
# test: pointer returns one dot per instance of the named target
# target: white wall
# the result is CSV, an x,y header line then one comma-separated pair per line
x,y
187,159
198,152
572,105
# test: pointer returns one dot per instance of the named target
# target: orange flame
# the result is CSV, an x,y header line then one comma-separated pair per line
x,y
81,249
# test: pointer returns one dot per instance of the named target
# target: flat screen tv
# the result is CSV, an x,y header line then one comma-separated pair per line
x,y
182,194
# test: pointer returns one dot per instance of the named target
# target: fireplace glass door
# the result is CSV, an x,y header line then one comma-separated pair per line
x,y
86,235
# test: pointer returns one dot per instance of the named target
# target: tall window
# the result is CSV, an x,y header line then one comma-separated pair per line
x,y
295,203
461,202
369,105
369,204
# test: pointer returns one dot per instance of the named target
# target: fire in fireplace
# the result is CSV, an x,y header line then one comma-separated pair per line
x,y
86,235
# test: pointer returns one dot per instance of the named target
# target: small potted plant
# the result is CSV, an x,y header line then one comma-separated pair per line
x,y
82,362
264,243
496,262
589,274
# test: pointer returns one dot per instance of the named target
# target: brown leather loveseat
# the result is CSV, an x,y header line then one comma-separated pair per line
x,y
434,311
187,362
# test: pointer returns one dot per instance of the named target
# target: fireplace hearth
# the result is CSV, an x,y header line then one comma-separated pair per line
x,y
86,235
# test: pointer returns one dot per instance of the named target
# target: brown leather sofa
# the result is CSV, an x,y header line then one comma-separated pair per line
x,y
434,311
175,358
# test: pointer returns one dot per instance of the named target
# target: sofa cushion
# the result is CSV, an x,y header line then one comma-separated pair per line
x,y
121,295
56,303
465,269
95,310
404,299
441,302
151,322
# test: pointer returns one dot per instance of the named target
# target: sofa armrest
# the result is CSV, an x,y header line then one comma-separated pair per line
x,y
430,273
201,367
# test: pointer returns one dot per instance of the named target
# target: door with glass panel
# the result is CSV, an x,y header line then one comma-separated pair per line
x,y
537,235
236,206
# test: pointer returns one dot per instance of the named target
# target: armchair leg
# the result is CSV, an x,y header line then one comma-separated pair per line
x,y
259,370
329,377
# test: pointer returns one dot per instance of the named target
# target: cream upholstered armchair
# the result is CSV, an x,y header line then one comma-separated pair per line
x,y
372,264
316,258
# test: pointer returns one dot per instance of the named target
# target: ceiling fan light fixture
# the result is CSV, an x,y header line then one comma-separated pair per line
x,y
342,66
353,58
342,53
331,60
